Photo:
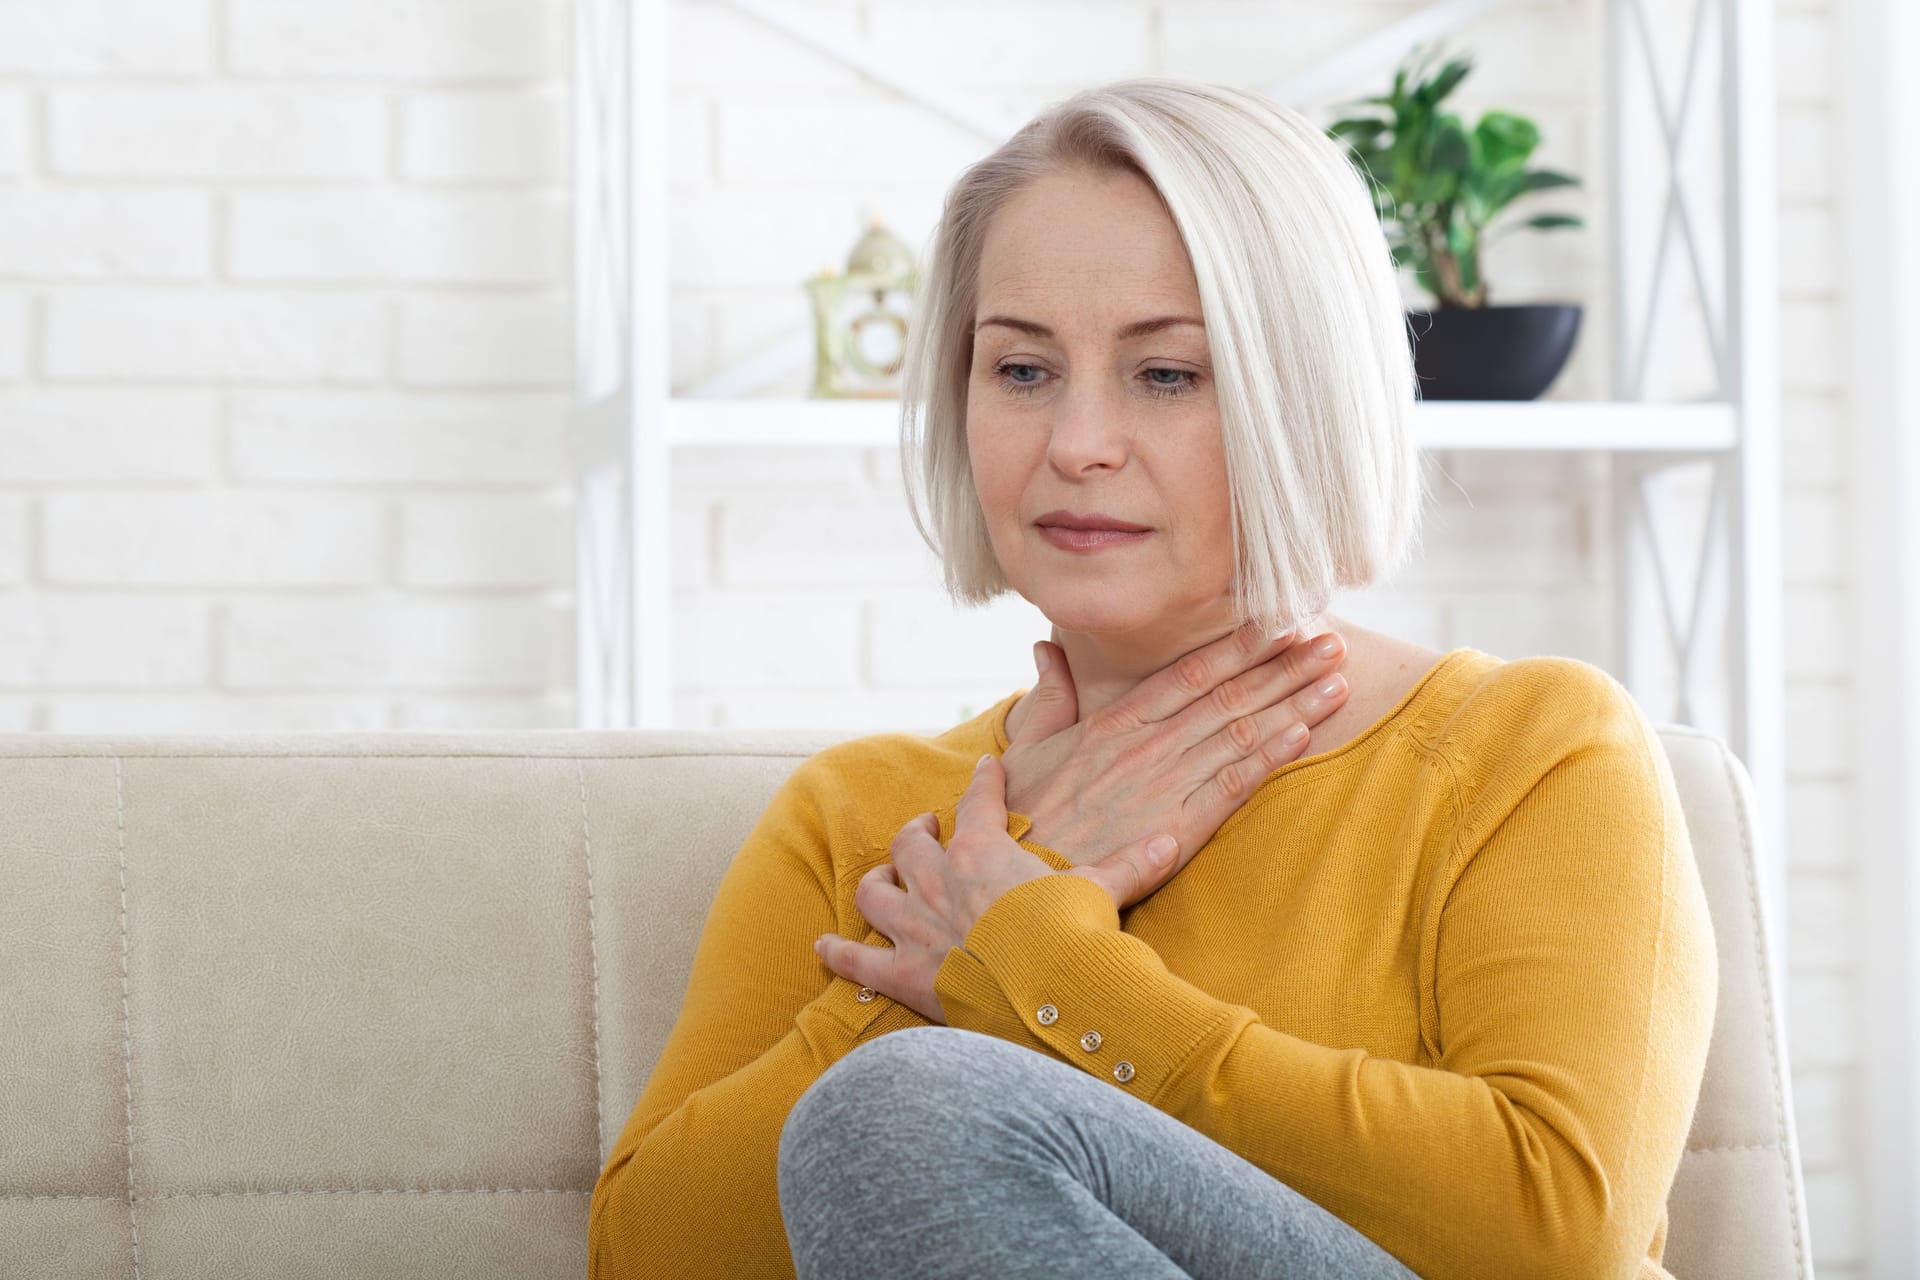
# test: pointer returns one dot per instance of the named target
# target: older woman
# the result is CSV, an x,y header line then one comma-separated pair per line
x,y
1432,998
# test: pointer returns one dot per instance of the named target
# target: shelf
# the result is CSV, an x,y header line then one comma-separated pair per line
x,y
1514,425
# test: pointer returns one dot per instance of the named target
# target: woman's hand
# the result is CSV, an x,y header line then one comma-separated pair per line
x,y
926,900
1178,754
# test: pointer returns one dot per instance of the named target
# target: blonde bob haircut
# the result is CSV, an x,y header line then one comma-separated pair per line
x,y
1312,367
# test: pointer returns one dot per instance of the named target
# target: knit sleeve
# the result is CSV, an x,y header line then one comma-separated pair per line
x,y
690,1188
1570,976
968,994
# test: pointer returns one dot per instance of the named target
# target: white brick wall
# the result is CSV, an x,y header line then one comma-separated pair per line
x,y
1823,908
260,539
440,237
216,131
211,334
482,135
106,234
16,132
518,339
14,333
284,355
285,344
420,40
107,37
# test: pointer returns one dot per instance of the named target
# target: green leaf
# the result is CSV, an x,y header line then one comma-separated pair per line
x,y
1451,153
1461,235
1358,134
1496,190
1506,140
1545,180
1474,198
1437,184
1449,78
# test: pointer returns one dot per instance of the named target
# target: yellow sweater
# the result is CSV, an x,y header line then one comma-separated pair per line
x,y
1453,980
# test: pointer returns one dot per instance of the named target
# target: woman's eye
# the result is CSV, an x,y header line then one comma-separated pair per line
x,y
1017,386
1013,379
1181,386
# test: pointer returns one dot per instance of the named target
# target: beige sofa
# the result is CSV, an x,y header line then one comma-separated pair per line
x,y
377,1004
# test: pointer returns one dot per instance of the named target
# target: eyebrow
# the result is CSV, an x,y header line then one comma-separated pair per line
x,y
1138,329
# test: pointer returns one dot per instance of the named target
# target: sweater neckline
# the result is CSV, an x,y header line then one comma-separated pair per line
x,y
1429,680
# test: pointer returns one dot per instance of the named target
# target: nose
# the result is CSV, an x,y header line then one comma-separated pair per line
x,y
1088,429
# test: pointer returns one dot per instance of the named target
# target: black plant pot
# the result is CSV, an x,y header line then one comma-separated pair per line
x,y
1491,353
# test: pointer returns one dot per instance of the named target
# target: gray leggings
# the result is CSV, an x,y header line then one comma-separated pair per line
x,y
936,1152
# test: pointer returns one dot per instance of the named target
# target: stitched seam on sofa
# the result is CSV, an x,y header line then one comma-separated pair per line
x,y
374,1191
121,1199
1766,1003
126,1016
327,1191
1733,1146
245,751
593,967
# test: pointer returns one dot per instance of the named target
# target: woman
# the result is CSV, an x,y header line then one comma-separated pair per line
x,y
1433,999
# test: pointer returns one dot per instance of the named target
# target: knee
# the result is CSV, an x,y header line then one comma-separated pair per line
x,y
887,1076
892,1089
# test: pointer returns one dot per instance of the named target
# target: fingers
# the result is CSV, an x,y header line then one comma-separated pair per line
x,y
1273,732
1287,674
1131,873
868,966
881,881
1052,704
914,848
1239,711
984,805
1246,751
902,913
1175,687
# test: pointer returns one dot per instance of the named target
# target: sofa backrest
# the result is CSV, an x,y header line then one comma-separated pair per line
x,y
378,1004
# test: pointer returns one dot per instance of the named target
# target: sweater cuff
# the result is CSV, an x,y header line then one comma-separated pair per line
x,y
1098,998
973,1001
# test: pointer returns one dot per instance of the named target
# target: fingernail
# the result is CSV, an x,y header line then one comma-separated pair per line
x,y
1327,648
1161,848
819,946
1294,734
1040,658
982,762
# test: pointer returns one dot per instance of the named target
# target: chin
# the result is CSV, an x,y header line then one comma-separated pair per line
x,y
1095,612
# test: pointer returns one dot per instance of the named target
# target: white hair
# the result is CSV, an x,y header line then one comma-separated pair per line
x,y
1305,325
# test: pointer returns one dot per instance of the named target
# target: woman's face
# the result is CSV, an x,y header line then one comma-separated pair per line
x,y
1091,392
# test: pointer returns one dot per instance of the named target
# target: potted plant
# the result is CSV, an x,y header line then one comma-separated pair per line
x,y
1437,186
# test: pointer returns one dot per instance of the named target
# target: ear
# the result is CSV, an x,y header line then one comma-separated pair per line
x,y
1052,703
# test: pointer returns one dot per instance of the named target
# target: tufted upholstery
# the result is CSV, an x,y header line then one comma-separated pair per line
x,y
376,1004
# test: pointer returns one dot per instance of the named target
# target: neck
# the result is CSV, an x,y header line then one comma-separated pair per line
x,y
1107,667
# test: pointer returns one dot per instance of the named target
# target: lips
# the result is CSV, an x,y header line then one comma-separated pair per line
x,y
1096,520
1097,538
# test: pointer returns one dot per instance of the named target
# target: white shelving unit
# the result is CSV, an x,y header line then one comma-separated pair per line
x,y
1669,646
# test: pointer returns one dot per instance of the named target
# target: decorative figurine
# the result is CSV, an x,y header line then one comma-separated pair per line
x,y
860,318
